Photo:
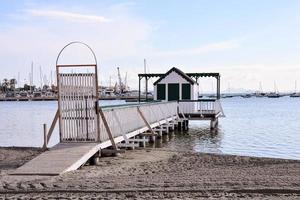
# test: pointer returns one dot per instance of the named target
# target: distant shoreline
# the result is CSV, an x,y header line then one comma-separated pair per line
x,y
133,98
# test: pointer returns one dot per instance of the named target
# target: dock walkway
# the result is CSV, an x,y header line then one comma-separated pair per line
x,y
62,158
68,156
124,122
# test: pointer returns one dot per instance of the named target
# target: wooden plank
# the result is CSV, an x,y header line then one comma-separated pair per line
x,y
138,140
52,125
125,145
145,121
107,128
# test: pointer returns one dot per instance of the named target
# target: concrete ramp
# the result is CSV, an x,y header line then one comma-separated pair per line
x,y
63,157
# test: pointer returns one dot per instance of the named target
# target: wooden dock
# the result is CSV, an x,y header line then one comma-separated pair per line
x,y
69,156
61,158
151,118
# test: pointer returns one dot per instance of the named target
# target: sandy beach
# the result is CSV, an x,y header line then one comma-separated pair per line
x,y
156,174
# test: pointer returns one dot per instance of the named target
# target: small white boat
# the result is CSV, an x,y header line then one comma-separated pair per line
x,y
295,95
273,95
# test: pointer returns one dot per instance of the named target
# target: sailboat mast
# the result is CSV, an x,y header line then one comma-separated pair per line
x,y
275,88
31,78
260,87
41,77
18,80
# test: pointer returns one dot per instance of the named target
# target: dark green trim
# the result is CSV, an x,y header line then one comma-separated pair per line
x,y
186,91
150,75
179,72
197,75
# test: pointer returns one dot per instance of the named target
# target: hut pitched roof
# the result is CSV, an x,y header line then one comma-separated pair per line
x,y
179,72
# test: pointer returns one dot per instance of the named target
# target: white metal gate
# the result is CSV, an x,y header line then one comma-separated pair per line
x,y
77,97
78,101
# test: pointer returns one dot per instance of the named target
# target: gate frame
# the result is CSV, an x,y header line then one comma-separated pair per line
x,y
97,87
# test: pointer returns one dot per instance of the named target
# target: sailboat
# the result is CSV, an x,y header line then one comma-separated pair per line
x,y
229,95
274,94
212,88
295,94
260,92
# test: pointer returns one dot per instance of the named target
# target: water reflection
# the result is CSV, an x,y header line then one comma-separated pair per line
x,y
199,139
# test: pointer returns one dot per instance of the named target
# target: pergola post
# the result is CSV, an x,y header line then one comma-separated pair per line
x,y
139,89
218,87
146,88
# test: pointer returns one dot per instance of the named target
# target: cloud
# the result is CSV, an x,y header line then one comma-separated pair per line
x,y
207,48
67,16
35,36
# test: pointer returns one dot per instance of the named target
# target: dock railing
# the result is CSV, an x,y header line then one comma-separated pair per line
x,y
128,120
201,106
124,119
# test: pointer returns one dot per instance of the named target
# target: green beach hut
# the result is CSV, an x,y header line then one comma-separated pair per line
x,y
175,85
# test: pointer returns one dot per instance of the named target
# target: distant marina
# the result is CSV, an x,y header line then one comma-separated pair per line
x,y
106,93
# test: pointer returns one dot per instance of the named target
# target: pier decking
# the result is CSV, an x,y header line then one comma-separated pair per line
x,y
61,158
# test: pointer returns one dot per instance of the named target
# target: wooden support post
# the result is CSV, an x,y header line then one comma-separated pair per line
x,y
98,121
145,120
159,131
187,124
56,117
107,129
45,137
143,141
214,123
166,127
179,127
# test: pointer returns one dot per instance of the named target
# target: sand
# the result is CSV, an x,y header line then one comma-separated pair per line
x,y
156,174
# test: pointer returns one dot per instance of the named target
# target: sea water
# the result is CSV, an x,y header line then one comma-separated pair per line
x,y
252,127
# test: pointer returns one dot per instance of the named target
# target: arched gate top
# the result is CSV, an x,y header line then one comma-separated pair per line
x,y
74,65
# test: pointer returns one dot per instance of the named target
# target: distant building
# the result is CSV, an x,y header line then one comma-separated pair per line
x,y
175,85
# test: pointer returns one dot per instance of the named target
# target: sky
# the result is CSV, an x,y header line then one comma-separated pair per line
x,y
248,42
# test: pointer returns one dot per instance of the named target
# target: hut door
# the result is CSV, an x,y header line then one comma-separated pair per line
x,y
186,91
77,97
173,91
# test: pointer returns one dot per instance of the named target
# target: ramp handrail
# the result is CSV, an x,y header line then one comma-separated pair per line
x,y
130,117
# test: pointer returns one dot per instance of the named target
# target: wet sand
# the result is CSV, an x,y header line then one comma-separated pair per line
x,y
156,174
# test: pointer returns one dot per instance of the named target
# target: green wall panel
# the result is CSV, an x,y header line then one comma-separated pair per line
x,y
161,91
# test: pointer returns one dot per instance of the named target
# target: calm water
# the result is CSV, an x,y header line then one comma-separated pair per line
x,y
255,127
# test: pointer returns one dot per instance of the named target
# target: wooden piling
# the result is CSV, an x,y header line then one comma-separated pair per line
x,y
214,123
45,137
